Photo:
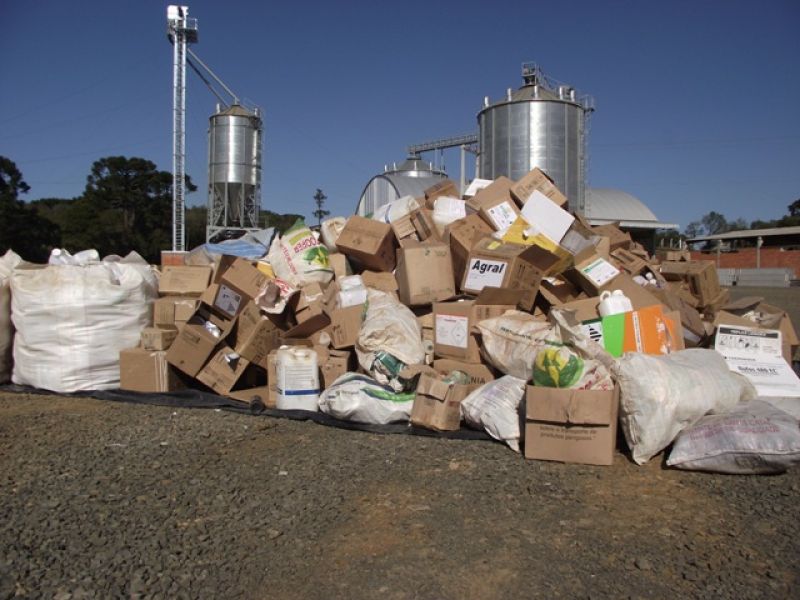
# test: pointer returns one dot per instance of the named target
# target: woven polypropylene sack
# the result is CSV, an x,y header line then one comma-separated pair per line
x,y
72,322
7,264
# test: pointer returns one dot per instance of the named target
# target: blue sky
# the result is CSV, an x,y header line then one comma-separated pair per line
x,y
696,101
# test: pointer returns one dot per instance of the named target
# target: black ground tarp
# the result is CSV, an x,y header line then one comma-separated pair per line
x,y
191,398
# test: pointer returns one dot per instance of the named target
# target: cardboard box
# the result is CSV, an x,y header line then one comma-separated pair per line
x,y
479,373
537,181
338,263
701,276
195,344
668,254
255,397
154,338
437,405
404,230
454,322
593,273
184,280
173,311
422,220
617,238
371,243
143,370
628,261
385,282
223,371
309,310
254,336
446,187
495,205
241,282
345,324
694,330
752,311
647,330
337,364
462,235
424,273
557,290
492,263
272,379
571,426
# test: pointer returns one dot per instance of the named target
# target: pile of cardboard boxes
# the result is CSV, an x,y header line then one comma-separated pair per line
x,y
516,247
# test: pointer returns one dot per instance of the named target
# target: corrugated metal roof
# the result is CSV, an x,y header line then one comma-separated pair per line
x,y
410,186
748,233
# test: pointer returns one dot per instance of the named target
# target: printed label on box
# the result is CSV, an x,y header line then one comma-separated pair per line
x,y
227,300
502,215
452,330
600,272
482,273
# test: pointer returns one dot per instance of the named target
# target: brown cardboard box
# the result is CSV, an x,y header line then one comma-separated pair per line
x,y
479,373
557,290
252,396
498,264
764,316
272,379
700,275
668,254
385,282
462,235
223,371
593,273
422,220
495,205
626,259
255,335
454,322
154,338
446,187
424,273
533,181
404,230
337,364
370,243
345,324
308,308
437,405
617,237
239,283
143,370
572,426
184,280
173,311
195,344
339,265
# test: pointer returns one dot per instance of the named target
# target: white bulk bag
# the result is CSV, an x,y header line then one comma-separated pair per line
x,y
7,264
72,322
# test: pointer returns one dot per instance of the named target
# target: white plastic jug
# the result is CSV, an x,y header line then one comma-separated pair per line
x,y
298,378
613,303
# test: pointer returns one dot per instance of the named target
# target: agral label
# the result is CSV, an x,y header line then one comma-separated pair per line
x,y
482,273
502,215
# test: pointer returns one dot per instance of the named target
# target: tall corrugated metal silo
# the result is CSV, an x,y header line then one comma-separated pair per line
x,y
234,170
539,125
410,178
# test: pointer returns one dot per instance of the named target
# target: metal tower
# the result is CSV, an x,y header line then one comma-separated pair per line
x,y
181,31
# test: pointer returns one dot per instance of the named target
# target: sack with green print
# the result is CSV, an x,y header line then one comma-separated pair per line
x,y
299,258
356,397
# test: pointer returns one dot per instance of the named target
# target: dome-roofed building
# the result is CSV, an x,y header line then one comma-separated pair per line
x,y
409,178
608,205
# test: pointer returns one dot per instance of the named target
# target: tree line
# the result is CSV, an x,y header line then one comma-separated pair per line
x,y
126,206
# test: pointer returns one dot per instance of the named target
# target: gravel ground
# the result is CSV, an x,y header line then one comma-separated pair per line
x,y
108,500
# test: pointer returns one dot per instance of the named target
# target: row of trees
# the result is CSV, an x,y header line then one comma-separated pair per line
x,y
126,205
714,222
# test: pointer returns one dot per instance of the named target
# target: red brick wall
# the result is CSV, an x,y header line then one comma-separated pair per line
x,y
746,259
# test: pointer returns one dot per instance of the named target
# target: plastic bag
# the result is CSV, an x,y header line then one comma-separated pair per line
x,y
447,210
72,322
392,211
354,397
299,258
494,407
330,230
662,395
7,264
753,438
512,340
389,340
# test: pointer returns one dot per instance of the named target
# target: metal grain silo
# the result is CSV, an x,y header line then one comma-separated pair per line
x,y
410,178
539,125
234,170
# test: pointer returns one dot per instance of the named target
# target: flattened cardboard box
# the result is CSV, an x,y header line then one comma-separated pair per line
x,y
223,371
154,338
572,426
143,370
453,322
537,181
195,344
424,273
495,205
437,405
462,236
493,263
371,243
184,280
478,373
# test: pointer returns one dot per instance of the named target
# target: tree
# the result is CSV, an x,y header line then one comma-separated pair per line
x,y
280,222
794,208
714,222
21,227
127,205
320,213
